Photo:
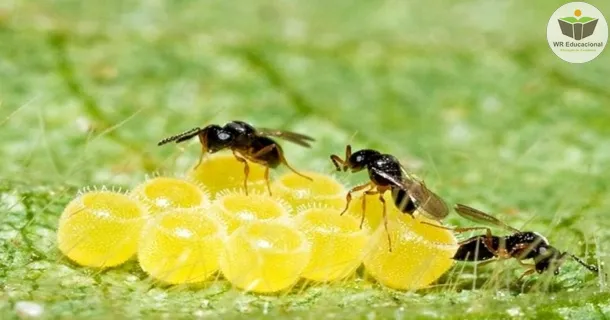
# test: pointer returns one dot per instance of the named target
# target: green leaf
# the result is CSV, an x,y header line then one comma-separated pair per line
x,y
464,93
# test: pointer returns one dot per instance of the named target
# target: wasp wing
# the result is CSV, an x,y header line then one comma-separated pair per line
x,y
476,215
293,137
429,204
395,182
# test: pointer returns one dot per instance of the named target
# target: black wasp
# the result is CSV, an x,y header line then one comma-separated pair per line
x,y
386,173
246,143
521,245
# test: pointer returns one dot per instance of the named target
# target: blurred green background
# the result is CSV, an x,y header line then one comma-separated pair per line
x,y
467,94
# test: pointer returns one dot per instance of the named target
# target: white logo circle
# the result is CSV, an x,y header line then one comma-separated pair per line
x,y
577,32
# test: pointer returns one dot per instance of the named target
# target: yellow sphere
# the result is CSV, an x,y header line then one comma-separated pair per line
x,y
100,228
337,243
236,208
300,192
221,171
181,246
163,193
265,256
420,254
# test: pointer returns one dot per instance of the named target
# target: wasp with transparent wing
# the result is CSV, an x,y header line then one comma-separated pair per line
x,y
521,245
386,173
246,143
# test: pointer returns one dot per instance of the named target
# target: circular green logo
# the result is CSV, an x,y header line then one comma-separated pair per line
x,y
577,32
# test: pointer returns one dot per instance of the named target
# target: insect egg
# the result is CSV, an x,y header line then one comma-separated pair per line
x,y
337,243
100,228
221,171
420,253
235,208
300,192
265,256
162,193
373,216
181,246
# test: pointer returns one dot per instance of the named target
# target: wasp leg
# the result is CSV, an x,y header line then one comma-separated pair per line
x,y
204,143
264,151
348,198
338,162
527,265
267,180
261,152
480,264
348,152
487,240
246,169
366,193
284,161
525,249
458,229
385,218
526,273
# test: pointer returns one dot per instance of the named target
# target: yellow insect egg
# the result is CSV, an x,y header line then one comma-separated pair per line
x,y
420,254
337,243
100,228
181,246
162,193
265,256
221,171
300,192
235,208
373,214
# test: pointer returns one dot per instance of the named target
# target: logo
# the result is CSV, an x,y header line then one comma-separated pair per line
x,y
577,32
577,27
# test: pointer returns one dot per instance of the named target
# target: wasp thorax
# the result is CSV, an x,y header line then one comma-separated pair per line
x,y
241,132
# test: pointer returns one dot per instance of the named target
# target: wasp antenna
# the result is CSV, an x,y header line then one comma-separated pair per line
x,y
590,267
181,137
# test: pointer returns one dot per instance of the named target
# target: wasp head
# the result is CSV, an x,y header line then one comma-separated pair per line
x,y
549,258
359,160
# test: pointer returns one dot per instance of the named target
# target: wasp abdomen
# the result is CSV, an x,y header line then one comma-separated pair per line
x,y
402,201
474,249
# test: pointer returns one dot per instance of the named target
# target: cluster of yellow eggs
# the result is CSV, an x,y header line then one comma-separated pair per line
x,y
193,229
